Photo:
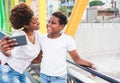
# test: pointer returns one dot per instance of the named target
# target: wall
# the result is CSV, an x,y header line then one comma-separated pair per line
x,y
98,38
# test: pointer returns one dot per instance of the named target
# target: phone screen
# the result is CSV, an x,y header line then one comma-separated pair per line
x,y
1,35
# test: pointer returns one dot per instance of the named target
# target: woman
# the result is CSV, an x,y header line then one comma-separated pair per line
x,y
19,58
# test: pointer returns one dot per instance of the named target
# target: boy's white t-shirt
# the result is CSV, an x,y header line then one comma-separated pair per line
x,y
23,55
54,54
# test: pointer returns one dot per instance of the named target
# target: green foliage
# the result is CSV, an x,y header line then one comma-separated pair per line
x,y
96,3
63,9
22,0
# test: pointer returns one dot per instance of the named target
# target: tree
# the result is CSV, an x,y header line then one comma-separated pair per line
x,y
22,0
96,3
63,9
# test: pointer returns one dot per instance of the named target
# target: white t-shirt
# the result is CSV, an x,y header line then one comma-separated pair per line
x,y
54,54
23,55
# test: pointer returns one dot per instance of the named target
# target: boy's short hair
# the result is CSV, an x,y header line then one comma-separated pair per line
x,y
62,17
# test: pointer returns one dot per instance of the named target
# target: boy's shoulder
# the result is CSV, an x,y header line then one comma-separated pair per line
x,y
67,35
43,36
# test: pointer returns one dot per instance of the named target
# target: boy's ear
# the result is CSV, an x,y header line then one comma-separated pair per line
x,y
61,27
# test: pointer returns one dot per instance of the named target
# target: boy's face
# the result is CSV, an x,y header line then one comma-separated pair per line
x,y
34,24
53,25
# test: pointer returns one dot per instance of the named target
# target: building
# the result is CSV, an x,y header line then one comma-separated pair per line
x,y
102,13
68,4
118,5
91,14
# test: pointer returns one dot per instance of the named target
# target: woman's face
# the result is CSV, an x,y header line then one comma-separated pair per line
x,y
34,23
53,25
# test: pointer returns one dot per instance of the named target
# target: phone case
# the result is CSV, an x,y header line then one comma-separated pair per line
x,y
21,39
1,35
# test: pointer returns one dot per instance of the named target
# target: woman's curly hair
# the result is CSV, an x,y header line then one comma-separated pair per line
x,y
20,15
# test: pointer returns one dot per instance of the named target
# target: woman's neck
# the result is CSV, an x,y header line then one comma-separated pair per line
x,y
30,35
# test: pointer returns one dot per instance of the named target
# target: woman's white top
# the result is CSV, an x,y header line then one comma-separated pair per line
x,y
54,54
23,55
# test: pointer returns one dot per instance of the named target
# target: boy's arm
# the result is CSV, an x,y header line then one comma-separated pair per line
x,y
78,60
38,58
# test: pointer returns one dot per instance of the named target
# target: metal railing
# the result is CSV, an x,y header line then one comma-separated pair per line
x,y
100,75
71,78
33,73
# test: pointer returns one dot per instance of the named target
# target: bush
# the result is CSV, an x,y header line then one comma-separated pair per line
x,y
96,3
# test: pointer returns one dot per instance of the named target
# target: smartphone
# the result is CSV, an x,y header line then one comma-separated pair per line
x,y
21,40
2,35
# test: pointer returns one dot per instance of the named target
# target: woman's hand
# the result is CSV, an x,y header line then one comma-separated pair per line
x,y
7,45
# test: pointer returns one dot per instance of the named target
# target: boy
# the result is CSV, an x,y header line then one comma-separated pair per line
x,y
55,46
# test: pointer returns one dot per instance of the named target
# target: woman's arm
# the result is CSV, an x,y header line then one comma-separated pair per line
x,y
38,58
